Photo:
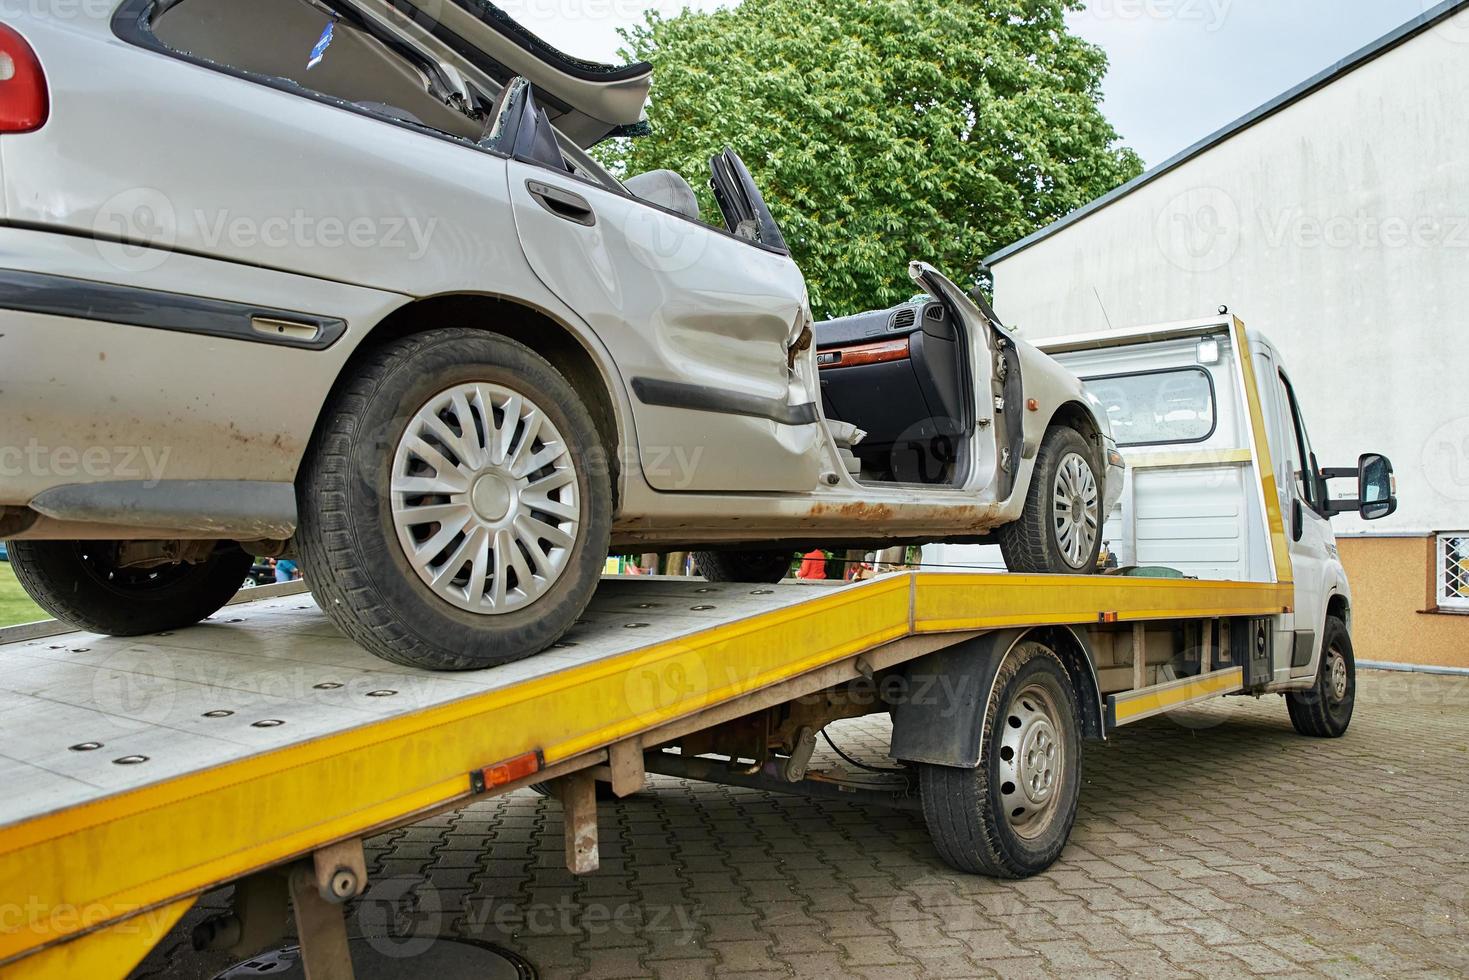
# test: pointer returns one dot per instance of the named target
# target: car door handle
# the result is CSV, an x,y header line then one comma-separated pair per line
x,y
562,203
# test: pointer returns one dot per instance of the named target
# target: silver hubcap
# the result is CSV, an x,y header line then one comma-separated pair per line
x,y
1032,761
1336,673
484,498
1077,506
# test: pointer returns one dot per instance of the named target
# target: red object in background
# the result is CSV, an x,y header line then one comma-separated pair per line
x,y
813,565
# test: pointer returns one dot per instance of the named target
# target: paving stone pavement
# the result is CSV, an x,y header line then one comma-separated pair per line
x,y
1214,843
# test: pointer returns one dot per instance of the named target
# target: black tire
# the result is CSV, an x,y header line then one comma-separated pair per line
x,y
1030,544
348,545
79,582
755,567
974,815
1325,709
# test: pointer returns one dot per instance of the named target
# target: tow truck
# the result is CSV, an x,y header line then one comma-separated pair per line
x,y
261,747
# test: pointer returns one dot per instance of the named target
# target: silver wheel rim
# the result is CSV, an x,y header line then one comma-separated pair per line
x,y
1336,675
484,498
1032,761
1076,507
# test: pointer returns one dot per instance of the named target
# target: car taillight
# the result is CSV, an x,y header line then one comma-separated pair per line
x,y
24,104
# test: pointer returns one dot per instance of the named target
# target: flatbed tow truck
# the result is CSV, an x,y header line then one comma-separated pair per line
x,y
261,747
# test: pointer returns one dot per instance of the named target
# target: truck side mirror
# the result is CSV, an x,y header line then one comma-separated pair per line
x,y
1376,488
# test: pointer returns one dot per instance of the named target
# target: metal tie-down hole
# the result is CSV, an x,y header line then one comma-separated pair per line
x,y
705,607
218,713
635,626
326,686
85,747
267,723
381,694
763,592
130,760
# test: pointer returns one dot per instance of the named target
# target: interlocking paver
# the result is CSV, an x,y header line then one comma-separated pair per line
x,y
1216,844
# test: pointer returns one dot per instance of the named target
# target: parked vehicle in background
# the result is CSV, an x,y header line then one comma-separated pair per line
x,y
491,361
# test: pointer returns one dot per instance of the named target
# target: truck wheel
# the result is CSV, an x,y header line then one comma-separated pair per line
x,y
1011,816
1325,709
1060,530
79,582
765,567
454,505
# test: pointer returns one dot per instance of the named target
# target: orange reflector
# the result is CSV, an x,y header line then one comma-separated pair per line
x,y
1032,404
1109,617
504,773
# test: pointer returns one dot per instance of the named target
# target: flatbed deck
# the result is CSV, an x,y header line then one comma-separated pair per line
x,y
139,773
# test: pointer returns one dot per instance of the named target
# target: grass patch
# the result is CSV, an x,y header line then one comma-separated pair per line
x,y
15,605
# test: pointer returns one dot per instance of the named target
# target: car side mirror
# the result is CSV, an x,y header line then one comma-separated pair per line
x,y
1376,488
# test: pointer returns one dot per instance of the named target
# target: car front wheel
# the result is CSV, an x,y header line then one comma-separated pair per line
x,y
1060,530
455,506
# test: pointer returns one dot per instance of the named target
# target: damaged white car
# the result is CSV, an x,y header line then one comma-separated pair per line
x,y
336,278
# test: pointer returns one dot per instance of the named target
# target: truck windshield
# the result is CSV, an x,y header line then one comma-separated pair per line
x,y
1155,408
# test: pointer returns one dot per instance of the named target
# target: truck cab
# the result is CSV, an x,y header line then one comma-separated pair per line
x,y
1222,482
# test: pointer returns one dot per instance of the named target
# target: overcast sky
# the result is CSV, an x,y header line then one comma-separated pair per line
x,y
1180,68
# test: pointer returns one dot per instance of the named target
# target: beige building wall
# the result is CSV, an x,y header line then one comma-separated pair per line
x,y
1394,615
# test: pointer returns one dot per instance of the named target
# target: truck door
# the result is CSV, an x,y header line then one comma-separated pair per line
x,y
1303,506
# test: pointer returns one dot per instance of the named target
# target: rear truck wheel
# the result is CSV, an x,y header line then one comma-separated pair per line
x,y
755,567
455,505
1011,816
83,583
1060,530
1325,709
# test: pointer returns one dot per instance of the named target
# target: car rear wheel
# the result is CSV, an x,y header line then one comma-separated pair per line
x,y
455,505
755,567
82,583
1060,530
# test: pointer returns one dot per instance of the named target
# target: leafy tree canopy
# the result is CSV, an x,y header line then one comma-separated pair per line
x,y
882,131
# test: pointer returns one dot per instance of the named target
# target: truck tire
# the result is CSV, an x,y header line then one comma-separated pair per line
x,y
1324,710
1049,537
455,505
1011,816
755,567
79,583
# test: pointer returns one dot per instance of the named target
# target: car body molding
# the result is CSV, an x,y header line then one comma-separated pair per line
x,y
699,398
242,509
85,299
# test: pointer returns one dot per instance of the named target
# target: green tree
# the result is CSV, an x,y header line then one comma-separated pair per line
x,y
882,131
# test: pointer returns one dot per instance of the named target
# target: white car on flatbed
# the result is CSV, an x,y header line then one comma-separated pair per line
x,y
337,279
